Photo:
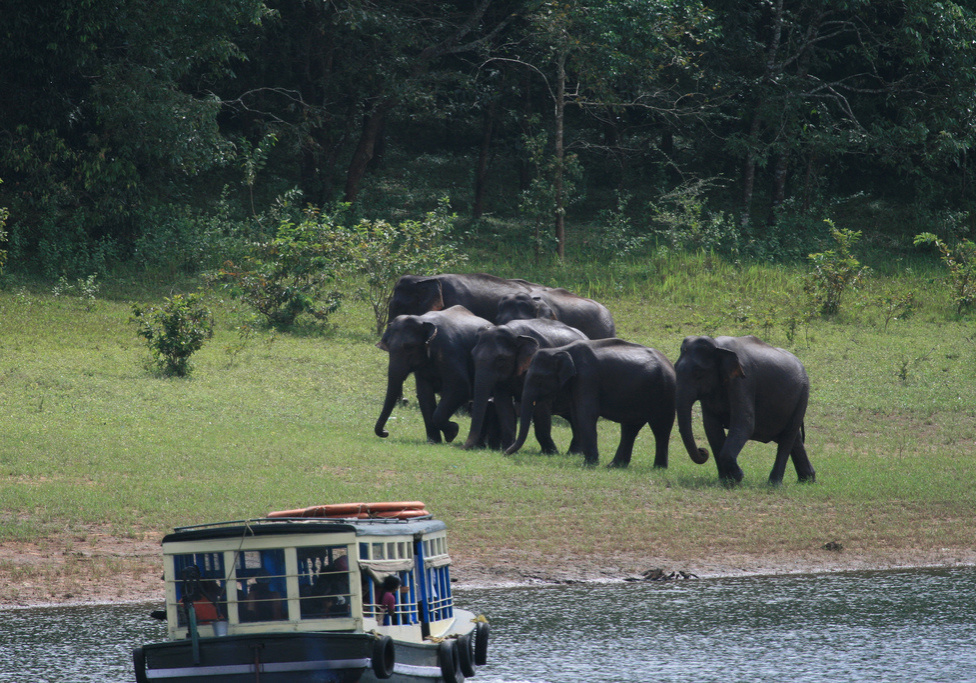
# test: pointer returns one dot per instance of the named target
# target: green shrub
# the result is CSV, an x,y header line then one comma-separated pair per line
x,y
291,274
687,224
4,215
382,252
961,262
174,331
835,271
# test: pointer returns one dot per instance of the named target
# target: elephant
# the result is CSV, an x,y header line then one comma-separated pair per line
x,y
478,292
588,316
755,391
610,378
501,357
436,348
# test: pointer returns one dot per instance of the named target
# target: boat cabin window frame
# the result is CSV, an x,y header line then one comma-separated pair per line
x,y
292,570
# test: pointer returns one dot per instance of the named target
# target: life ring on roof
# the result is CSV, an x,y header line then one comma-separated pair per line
x,y
386,510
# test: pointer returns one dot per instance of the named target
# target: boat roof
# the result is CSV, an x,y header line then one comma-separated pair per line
x,y
293,525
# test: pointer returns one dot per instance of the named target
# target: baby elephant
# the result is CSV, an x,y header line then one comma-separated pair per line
x,y
755,391
609,378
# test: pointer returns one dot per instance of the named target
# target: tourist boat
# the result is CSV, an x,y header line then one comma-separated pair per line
x,y
303,596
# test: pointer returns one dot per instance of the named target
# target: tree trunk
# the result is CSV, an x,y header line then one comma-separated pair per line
x,y
557,181
481,170
749,172
366,148
779,185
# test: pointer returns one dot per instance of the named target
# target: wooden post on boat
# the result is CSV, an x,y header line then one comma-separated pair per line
x,y
423,604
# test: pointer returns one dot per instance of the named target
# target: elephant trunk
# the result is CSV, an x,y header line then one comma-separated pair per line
x,y
482,392
525,419
394,389
685,400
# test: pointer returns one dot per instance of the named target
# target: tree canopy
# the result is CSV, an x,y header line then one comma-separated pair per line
x,y
115,112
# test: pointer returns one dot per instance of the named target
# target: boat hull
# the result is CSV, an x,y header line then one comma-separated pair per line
x,y
415,663
270,658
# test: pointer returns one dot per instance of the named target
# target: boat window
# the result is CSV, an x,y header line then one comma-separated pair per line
x,y
199,581
405,610
261,586
439,589
323,582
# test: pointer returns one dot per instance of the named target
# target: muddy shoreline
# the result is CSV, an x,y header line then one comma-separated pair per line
x,y
106,569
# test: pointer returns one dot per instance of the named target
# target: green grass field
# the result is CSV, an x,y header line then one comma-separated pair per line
x,y
92,438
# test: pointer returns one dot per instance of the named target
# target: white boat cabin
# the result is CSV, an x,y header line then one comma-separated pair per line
x,y
292,575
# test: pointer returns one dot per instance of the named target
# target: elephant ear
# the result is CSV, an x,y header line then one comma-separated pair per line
x,y
729,364
431,294
542,308
428,331
567,368
526,347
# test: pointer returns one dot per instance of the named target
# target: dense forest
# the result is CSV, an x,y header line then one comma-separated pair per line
x,y
142,132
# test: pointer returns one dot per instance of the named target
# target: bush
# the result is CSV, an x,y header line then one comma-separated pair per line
x,y
383,252
961,262
174,331
835,271
291,274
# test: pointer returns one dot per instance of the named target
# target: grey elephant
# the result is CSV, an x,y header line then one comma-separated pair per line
x,y
609,378
436,348
588,316
755,391
501,358
478,292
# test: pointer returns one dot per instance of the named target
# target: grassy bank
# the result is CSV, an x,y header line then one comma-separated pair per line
x,y
91,439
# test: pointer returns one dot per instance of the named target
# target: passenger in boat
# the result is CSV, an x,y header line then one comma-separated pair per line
x,y
261,603
329,594
387,599
205,600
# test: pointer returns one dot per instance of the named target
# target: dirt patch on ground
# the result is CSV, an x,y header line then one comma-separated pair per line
x,y
98,567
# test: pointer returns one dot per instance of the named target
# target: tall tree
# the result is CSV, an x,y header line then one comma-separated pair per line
x,y
101,108
814,80
616,54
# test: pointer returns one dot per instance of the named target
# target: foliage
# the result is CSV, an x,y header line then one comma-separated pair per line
x,y
85,289
4,215
108,111
297,271
382,252
835,271
540,202
961,262
617,238
183,240
688,224
174,331
897,306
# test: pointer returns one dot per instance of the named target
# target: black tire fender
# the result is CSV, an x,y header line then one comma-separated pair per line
x,y
465,647
139,660
384,657
481,634
447,658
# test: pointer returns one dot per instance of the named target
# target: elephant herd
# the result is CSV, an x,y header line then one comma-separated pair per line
x,y
518,353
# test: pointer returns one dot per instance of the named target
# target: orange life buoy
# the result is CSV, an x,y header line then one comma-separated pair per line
x,y
386,510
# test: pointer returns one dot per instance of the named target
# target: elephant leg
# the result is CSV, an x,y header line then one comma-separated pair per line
x,y
585,434
427,400
628,434
507,415
783,449
661,427
804,469
455,392
725,448
542,421
442,416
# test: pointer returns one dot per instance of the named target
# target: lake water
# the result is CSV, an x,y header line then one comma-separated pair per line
x,y
878,626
